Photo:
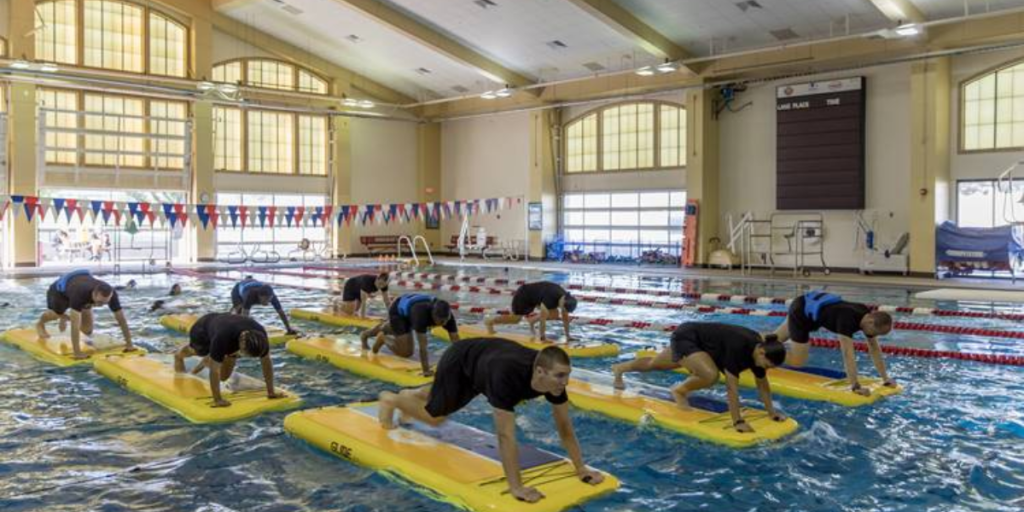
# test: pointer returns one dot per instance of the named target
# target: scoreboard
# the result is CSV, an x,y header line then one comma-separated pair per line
x,y
820,145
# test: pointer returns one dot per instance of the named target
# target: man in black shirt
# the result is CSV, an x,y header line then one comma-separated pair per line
x,y
554,303
358,291
250,292
820,310
409,318
220,339
706,349
78,291
506,373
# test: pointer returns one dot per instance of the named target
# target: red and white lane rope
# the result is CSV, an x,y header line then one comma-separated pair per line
x,y
706,297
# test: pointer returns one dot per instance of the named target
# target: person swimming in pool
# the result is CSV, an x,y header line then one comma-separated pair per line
x,y
820,310
220,339
165,304
249,292
410,316
706,349
506,373
357,293
130,285
554,303
71,299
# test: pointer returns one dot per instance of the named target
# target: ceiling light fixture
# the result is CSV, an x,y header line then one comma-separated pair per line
x,y
228,88
667,67
645,71
908,30
366,104
20,64
48,68
489,95
206,86
503,92
349,102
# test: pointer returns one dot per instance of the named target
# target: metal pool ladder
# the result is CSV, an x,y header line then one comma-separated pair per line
x,y
411,243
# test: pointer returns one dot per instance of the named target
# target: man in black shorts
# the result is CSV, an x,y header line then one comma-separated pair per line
x,y
507,373
358,291
706,349
409,318
250,292
220,339
820,310
554,302
78,291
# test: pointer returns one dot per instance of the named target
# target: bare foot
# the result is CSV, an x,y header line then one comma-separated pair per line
x,y
63,323
619,383
489,323
386,410
364,339
682,400
379,343
41,331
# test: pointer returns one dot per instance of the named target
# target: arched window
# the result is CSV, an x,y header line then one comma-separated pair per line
x,y
627,136
992,110
269,74
111,34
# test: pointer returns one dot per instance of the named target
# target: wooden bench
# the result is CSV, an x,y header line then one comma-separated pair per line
x,y
380,244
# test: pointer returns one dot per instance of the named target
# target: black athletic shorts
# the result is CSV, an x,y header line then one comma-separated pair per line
x,y
521,303
400,325
800,326
684,344
236,298
452,389
198,340
56,301
352,295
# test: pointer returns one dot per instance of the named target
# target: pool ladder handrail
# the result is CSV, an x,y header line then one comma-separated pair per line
x,y
411,242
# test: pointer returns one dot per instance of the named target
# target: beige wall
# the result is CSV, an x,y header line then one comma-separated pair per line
x,y
747,151
226,47
5,15
487,157
383,171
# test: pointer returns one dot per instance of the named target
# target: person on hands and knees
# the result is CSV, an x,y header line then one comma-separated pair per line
x,y
357,293
250,292
409,318
552,300
71,298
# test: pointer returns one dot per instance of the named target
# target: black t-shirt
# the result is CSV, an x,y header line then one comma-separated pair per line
x,y
543,292
79,293
221,332
502,370
842,318
731,347
251,297
421,318
364,283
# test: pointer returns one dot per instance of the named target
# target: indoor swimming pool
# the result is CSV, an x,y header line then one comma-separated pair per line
x,y
73,440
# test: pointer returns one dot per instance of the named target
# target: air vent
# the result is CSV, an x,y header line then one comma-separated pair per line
x,y
423,71
294,11
485,4
593,66
460,89
354,38
748,5
784,34
556,45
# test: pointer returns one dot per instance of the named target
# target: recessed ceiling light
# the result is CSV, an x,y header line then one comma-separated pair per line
x,y
485,4
747,5
354,38
423,71
556,45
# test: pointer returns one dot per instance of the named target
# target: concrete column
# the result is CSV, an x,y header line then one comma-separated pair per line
x,y
202,177
341,182
930,186
702,173
541,186
428,174
21,127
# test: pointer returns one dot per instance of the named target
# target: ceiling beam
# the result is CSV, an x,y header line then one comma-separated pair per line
x,y
899,11
624,22
427,36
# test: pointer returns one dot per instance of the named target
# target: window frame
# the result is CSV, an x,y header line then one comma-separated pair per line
x,y
638,228
961,109
243,74
295,156
599,112
146,65
997,219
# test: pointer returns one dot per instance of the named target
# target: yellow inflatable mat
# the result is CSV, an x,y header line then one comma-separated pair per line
x,y
811,383
189,395
57,348
458,463
329,318
350,356
182,323
574,349
709,420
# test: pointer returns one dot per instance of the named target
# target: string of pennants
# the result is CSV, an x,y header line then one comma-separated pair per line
x,y
242,216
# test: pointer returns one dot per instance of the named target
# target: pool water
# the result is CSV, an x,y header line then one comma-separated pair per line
x,y
72,440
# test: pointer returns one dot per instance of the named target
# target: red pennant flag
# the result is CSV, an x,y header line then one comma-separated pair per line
x,y
271,214
243,211
300,211
211,210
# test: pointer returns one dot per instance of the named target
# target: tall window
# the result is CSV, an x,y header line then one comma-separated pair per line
x,y
993,110
269,74
113,130
264,141
630,136
988,203
624,223
111,34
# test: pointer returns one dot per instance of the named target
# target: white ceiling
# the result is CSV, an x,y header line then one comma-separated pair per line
x,y
517,33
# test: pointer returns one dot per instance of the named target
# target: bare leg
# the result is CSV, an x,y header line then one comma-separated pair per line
x,y
410,403
703,374
87,322
490,322
346,308
661,362
401,346
180,356
47,317
797,353
365,336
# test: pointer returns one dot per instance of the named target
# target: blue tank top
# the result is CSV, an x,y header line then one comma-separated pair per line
x,y
406,302
814,301
62,281
245,285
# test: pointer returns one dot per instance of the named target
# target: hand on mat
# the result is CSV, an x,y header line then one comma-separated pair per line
x,y
129,348
590,476
221,403
292,332
889,383
779,417
428,373
275,394
527,494
80,356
